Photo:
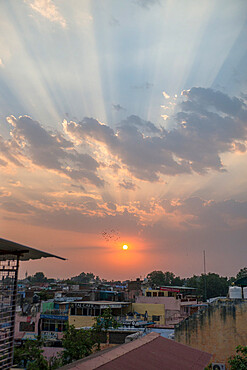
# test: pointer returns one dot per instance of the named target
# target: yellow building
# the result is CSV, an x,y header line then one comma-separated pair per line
x,y
83,314
159,293
219,329
154,311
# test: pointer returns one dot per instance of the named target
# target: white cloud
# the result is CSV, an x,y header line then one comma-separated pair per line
x,y
48,10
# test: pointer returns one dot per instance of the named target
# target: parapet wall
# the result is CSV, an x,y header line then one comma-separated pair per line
x,y
217,329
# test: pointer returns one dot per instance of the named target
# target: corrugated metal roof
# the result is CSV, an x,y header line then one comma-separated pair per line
x,y
9,249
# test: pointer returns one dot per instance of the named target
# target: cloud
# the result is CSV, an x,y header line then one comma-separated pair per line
x,y
144,156
117,107
207,124
7,148
128,185
48,10
147,3
48,150
209,214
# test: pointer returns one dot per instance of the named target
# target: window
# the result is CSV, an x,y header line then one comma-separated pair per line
x,y
79,311
72,310
53,325
148,294
97,311
84,312
154,294
27,326
161,294
155,318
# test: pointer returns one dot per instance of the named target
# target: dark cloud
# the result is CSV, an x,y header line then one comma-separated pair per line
x,y
49,150
209,214
17,206
117,107
207,98
208,124
128,185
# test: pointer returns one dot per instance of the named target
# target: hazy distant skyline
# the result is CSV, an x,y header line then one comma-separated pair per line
x,y
129,118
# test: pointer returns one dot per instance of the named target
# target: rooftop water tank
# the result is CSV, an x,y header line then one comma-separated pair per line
x,y
235,292
245,292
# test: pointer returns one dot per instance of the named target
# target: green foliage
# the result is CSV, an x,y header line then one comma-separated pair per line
x,y
242,273
45,295
30,355
39,277
77,343
239,361
83,277
159,278
103,323
215,285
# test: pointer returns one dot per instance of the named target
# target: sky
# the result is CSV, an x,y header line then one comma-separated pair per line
x,y
125,122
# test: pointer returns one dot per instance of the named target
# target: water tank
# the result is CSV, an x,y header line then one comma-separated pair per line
x,y
245,292
235,292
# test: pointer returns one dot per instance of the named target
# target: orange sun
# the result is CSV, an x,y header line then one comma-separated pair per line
x,y
125,247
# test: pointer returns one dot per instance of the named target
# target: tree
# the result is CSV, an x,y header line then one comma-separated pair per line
x,y
159,278
30,355
77,343
39,277
239,361
242,273
45,295
83,277
210,285
103,323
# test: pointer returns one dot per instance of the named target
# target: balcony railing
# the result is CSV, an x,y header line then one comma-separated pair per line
x,y
56,312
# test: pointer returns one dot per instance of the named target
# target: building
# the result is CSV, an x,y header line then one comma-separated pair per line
x,y
10,255
178,303
219,328
83,314
150,352
150,312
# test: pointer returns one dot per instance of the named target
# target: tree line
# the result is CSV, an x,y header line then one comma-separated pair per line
x,y
207,286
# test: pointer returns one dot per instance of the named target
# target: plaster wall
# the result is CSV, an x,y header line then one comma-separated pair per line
x,y
218,329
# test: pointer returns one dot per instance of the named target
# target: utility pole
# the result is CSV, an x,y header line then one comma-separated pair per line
x,y
205,281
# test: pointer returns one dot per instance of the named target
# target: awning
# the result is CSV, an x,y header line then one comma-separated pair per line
x,y
10,250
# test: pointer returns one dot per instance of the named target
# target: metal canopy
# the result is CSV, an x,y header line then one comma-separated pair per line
x,y
9,250
10,255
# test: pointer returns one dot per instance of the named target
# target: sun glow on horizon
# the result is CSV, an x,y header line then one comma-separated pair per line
x,y
125,247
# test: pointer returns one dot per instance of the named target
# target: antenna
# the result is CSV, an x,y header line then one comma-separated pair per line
x,y
204,262
205,281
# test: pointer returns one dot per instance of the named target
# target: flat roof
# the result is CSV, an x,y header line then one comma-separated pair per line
x,y
177,287
9,249
101,302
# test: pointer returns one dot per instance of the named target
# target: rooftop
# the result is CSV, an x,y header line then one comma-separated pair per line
x,y
149,353
8,249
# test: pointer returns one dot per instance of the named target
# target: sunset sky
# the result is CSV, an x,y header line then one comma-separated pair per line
x,y
125,122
